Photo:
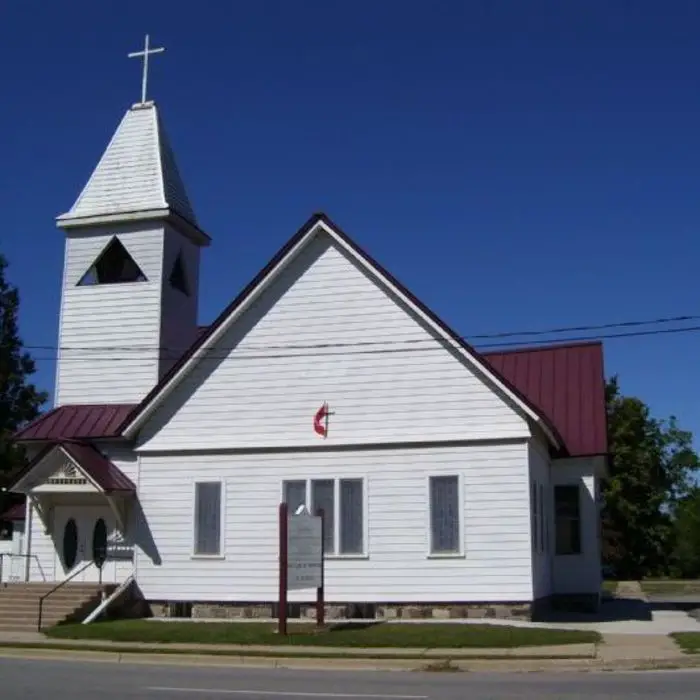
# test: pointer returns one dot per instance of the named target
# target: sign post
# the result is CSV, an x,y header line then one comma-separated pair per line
x,y
300,559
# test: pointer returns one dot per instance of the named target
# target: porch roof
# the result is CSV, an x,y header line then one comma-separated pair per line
x,y
15,512
103,473
76,422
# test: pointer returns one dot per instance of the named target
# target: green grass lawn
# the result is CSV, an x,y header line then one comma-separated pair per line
x,y
406,636
689,642
664,586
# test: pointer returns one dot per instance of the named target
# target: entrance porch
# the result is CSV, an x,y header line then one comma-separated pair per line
x,y
79,516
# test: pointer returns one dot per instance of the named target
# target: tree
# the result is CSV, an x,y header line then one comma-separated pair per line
x,y
652,463
686,536
20,400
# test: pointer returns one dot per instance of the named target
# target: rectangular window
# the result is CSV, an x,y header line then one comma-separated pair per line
x,y
342,502
547,519
567,519
542,522
535,518
207,518
352,534
444,515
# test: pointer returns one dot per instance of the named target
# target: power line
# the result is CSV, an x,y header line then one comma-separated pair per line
x,y
416,341
438,345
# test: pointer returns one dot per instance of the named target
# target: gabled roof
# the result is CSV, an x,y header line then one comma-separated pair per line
x,y
136,177
106,476
82,422
567,383
320,223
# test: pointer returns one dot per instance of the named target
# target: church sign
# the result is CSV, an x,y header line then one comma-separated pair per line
x,y
300,559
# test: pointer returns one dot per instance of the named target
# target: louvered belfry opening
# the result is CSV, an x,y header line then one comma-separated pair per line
x,y
114,266
178,278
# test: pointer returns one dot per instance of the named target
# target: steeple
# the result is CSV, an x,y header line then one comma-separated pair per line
x,y
136,178
131,272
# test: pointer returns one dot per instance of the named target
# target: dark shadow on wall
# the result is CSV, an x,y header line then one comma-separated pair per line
x,y
143,537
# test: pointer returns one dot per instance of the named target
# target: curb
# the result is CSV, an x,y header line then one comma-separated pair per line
x,y
574,652
435,665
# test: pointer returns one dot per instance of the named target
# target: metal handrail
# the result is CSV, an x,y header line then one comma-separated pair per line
x,y
55,588
10,555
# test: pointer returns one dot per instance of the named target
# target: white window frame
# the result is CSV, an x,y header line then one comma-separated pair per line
x,y
460,553
222,522
336,510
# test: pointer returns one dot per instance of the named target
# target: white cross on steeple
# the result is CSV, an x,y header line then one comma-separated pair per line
x,y
145,53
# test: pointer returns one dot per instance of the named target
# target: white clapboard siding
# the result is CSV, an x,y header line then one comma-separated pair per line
x,y
580,573
384,374
542,549
110,335
496,565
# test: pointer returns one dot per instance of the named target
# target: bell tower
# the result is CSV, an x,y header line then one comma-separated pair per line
x,y
130,286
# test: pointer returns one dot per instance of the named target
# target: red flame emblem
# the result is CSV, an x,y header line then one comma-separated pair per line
x,y
321,420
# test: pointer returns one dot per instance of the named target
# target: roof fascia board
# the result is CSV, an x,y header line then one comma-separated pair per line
x,y
41,458
166,214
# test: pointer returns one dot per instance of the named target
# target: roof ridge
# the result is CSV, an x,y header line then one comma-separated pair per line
x,y
537,348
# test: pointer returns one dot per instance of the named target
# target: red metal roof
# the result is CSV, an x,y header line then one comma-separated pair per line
x,y
105,474
15,512
567,384
563,382
82,422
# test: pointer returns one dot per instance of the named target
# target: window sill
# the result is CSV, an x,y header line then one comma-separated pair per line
x,y
208,557
448,555
333,557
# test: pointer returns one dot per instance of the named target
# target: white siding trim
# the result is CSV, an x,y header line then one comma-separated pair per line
x,y
222,523
461,504
475,362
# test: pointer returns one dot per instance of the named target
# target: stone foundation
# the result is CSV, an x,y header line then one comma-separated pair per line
x,y
343,611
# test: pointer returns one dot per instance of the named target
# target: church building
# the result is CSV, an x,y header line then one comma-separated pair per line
x,y
454,483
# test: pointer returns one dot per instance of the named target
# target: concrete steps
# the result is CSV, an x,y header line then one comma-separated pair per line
x,y
19,604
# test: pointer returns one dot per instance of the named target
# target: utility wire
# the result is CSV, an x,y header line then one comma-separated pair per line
x,y
242,353
417,341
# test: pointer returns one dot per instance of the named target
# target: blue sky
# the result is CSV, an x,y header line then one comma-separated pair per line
x,y
518,165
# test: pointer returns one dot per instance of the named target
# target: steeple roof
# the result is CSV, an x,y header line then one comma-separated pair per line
x,y
136,177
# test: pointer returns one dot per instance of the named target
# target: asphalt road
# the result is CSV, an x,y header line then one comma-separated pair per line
x,y
24,679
